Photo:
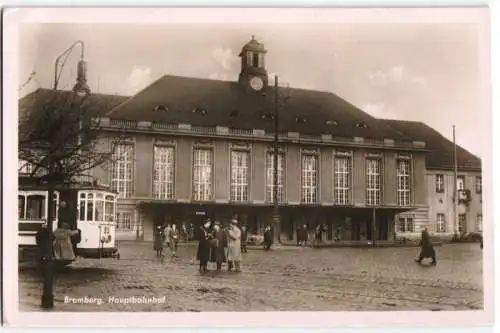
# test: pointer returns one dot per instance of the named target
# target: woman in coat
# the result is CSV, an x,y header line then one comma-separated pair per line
x,y
174,239
234,246
158,240
426,248
268,238
218,253
63,247
204,243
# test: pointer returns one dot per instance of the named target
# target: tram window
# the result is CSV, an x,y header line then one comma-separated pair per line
x,y
21,200
35,207
99,210
82,210
108,211
90,207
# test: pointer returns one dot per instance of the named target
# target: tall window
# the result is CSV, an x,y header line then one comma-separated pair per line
x,y
342,180
373,181
309,178
439,183
479,222
124,221
270,177
239,175
462,223
461,183
403,183
440,223
163,173
406,224
250,57
479,185
202,174
122,172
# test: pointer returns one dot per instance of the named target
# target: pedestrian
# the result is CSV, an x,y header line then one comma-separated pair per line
x,y
63,248
234,246
218,253
67,213
426,248
167,234
174,239
305,235
268,238
481,242
44,244
203,251
318,234
158,240
299,235
184,232
244,238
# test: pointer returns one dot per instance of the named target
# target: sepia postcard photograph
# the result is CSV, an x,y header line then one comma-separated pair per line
x,y
247,166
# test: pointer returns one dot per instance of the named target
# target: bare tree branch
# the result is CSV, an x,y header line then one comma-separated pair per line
x,y
63,133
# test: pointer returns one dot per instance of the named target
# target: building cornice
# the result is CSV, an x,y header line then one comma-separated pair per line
x,y
255,135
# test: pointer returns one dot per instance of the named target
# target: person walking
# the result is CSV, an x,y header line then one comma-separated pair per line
x,y
305,235
218,253
158,240
63,248
44,244
174,239
244,238
234,246
426,248
268,238
299,235
204,243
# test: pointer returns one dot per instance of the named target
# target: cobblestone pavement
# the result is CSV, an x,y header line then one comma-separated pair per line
x,y
287,279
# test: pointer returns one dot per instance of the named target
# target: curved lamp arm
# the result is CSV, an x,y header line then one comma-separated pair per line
x,y
64,57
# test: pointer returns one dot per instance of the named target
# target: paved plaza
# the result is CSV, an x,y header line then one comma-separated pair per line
x,y
287,279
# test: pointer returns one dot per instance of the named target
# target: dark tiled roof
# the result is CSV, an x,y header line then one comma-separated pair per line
x,y
172,99
441,149
99,103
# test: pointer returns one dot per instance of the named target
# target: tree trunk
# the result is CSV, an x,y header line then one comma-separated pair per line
x,y
48,266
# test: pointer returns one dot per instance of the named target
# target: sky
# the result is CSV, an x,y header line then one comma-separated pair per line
x,y
427,72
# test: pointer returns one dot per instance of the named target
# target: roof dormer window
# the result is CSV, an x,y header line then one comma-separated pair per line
x,y
301,120
161,108
361,125
199,110
234,114
331,123
267,116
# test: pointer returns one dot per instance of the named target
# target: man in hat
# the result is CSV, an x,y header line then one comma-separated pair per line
x,y
244,238
234,246
204,243
218,253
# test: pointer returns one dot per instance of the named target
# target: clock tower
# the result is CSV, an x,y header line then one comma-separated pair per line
x,y
253,75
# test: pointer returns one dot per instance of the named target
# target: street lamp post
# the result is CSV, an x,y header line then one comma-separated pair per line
x,y
276,212
81,88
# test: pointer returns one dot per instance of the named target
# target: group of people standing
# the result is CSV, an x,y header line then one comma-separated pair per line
x,y
220,244
168,234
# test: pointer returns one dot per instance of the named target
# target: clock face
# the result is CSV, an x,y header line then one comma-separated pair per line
x,y
256,83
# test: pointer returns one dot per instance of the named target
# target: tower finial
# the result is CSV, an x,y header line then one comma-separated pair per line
x,y
253,37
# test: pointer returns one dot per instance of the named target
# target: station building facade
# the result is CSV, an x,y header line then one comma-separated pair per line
x,y
198,148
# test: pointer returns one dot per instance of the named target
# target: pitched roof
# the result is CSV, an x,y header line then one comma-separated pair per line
x,y
441,149
100,103
175,99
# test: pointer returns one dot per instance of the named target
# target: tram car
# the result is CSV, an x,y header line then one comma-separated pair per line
x,y
90,209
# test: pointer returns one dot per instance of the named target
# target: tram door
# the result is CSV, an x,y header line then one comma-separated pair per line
x,y
68,212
